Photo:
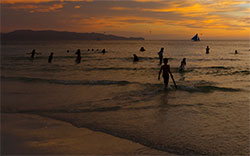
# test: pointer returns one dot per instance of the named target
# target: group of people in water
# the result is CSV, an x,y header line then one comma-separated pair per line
x,y
78,55
207,50
165,68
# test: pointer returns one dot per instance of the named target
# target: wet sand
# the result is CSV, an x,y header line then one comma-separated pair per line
x,y
23,134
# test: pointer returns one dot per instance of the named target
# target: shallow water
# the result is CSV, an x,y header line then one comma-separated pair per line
x,y
207,114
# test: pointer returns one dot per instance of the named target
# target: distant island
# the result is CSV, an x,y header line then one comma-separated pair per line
x,y
45,35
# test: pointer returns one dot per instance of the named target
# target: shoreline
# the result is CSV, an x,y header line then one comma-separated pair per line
x,y
23,134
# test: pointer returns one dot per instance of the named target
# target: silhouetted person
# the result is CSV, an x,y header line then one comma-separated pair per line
x,y
183,64
166,71
136,59
50,57
142,49
78,56
88,49
92,50
103,51
160,53
236,52
207,50
33,52
67,51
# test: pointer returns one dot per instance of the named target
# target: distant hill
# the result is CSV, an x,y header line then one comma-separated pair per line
x,y
29,35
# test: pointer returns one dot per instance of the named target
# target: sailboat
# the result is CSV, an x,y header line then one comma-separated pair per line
x,y
196,38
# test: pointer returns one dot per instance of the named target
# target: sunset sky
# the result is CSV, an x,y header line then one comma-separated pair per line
x,y
151,19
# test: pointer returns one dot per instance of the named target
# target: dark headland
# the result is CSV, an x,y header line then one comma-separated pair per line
x,y
44,35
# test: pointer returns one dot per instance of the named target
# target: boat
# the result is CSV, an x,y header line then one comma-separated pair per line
x,y
196,38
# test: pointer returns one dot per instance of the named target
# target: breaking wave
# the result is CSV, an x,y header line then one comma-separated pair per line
x,y
200,86
67,82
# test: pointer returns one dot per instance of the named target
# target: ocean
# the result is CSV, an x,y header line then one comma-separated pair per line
x,y
208,113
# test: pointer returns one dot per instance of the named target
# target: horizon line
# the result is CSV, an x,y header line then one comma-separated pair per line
x,y
229,39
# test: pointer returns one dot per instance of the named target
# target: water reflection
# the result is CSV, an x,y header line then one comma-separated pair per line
x,y
163,104
182,76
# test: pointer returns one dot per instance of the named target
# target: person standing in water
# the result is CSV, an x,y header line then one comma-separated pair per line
x,y
166,71
78,56
183,64
103,51
50,57
136,59
33,54
160,53
142,49
207,50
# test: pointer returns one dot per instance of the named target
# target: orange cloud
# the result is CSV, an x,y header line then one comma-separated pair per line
x,y
24,1
108,23
38,8
196,8
157,27
148,0
121,8
40,1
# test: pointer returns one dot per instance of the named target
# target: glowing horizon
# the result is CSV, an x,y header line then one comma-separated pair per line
x,y
151,19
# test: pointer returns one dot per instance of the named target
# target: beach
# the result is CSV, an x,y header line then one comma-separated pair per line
x,y
29,134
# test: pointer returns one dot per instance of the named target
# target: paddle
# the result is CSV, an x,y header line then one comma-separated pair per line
x,y
173,80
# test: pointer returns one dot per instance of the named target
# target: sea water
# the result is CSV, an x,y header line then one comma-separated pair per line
x,y
208,113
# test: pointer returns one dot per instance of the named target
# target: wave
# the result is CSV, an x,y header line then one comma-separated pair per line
x,y
216,70
159,106
67,82
149,88
173,69
212,67
149,91
227,72
215,88
141,58
87,110
202,89
220,59
242,72
219,67
116,68
219,70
